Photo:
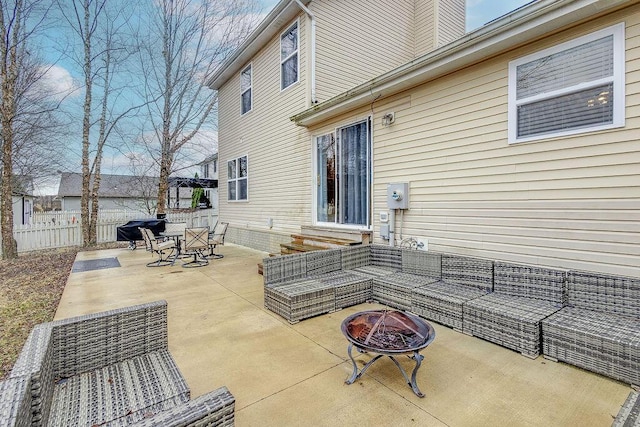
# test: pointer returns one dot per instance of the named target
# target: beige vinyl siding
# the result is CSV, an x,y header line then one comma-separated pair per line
x,y
571,202
425,23
359,40
451,21
278,157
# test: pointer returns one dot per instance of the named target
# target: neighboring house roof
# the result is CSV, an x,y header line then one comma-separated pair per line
x,y
209,159
22,185
535,20
120,186
280,15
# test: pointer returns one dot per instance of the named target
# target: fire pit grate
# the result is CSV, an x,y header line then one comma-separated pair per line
x,y
387,333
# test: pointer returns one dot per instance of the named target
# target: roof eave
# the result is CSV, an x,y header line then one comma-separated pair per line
x,y
498,36
281,14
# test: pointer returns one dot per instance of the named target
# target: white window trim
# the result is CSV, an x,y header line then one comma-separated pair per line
x,y
297,51
618,80
242,92
235,180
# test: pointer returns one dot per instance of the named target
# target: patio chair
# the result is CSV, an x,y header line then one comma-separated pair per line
x,y
196,242
164,249
217,238
145,238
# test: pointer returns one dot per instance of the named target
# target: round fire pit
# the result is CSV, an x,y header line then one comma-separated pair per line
x,y
387,333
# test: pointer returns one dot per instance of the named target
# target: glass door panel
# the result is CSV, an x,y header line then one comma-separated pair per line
x,y
326,178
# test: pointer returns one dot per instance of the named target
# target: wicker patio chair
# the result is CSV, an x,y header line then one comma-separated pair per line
x,y
165,250
196,242
111,368
216,237
522,296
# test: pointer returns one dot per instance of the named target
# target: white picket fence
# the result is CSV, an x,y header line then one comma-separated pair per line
x,y
63,229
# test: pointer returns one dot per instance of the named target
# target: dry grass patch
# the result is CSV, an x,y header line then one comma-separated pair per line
x,y
30,290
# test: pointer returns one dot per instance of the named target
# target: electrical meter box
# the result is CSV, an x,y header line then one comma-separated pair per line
x,y
398,196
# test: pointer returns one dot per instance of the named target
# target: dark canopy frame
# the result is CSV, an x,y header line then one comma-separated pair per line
x,y
179,182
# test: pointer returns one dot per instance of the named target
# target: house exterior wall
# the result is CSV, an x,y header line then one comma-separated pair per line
x,y
279,152
358,41
278,158
450,22
570,202
438,22
22,209
71,203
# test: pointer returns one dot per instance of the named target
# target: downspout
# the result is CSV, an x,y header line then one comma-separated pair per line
x,y
312,71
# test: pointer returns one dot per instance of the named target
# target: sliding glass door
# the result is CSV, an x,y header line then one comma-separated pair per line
x,y
343,175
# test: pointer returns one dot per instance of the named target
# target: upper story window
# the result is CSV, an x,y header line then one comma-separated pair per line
x,y
289,57
245,89
205,170
574,87
237,179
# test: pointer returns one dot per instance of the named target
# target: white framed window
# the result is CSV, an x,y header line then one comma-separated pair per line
x,y
237,179
289,58
343,176
571,88
246,92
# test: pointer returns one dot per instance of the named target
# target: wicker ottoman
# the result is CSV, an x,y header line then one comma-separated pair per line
x,y
300,299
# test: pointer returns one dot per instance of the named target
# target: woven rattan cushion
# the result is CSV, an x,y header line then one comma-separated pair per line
x,y
386,256
421,262
604,293
530,281
284,268
15,402
215,408
629,414
472,272
120,393
442,302
320,262
376,271
356,256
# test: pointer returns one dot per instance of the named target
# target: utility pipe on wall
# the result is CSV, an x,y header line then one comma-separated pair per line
x,y
392,227
312,71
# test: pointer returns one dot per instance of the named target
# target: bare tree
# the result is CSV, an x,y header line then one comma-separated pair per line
x,y
100,26
184,41
22,107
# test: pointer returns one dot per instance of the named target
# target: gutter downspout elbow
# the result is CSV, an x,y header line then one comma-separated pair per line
x,y
312,71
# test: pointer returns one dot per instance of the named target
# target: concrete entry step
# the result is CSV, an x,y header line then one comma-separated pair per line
x,y
362,236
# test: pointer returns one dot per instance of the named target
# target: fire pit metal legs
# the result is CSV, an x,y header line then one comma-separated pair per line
x,y
417,357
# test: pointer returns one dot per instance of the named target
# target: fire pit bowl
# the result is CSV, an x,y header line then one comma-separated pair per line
x,y
387,333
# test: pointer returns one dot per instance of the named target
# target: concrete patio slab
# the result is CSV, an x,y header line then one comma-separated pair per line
x,y
291,375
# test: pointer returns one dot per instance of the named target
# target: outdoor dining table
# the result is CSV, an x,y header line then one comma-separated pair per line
x,y
176,236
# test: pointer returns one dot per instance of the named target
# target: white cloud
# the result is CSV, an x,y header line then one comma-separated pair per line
x,y
58,82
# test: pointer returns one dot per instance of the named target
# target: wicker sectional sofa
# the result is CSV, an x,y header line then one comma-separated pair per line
x,y
599,329
111,368
590,320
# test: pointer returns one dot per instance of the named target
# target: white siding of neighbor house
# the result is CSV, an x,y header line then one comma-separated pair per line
x,y
278,156
358,41
571,202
